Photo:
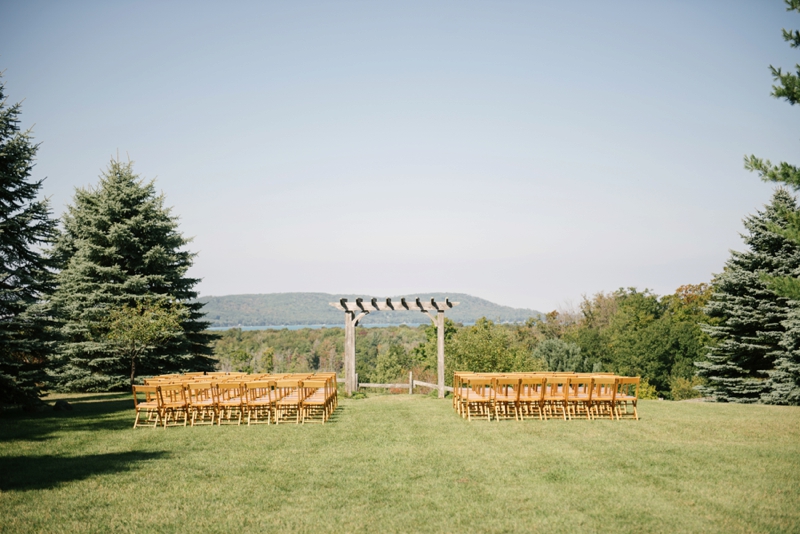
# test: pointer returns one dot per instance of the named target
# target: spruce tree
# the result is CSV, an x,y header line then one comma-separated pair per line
x,y
787,87
784,379
25,224
120,246
751,315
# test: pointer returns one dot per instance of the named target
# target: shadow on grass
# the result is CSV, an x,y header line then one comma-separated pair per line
x,y
99,397
93,415
21,473
337,414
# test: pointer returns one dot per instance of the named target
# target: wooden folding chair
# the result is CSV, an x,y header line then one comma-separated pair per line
x,y
289,401
555,393
202,403
460,387
315,400
627,396
531,395
478,396
332,389
149,405
172,404
506,397
604,396
230,402
260,401
578,398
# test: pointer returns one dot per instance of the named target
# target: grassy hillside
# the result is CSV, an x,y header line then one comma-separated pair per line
x,y
404,464
312,308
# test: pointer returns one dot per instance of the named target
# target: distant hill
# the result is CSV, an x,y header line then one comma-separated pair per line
x,y
275,309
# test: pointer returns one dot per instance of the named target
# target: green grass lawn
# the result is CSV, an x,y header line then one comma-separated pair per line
x,y
400,463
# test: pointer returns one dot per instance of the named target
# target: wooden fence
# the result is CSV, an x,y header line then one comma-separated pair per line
x,y
409,386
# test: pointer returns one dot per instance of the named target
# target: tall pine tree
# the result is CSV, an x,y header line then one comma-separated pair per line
x,y
25,224
120,246
784,379
750,313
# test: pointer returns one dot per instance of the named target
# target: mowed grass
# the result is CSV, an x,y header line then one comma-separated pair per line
x,y
400,463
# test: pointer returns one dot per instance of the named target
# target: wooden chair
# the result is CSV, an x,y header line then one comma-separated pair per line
x,y
315,400
478,396
202,402
578,398
289,401
149,405
604,396
172,404
332,390
260,401
230,402
627,395
555,393
531,395
460,387
506,397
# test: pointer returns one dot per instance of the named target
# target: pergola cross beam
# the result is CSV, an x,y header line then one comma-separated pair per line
x,y
355,311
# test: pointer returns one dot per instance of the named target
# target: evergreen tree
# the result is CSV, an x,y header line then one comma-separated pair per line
x,y
25,224
787,87
560,356
120,246
751,315
784,380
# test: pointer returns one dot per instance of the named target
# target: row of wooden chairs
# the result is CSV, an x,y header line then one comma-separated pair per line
x,y
226,398
546,395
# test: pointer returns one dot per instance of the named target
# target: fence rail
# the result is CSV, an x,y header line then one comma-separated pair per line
x,y
409,386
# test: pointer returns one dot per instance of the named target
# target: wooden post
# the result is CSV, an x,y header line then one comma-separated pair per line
x,y
410,382
362,308
440,351
350,385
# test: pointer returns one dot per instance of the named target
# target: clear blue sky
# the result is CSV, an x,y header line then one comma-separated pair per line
x,y
523,152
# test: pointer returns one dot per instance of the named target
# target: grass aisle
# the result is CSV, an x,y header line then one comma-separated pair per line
x,y
404,464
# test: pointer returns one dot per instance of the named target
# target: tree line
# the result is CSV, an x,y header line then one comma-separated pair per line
x,y
627,331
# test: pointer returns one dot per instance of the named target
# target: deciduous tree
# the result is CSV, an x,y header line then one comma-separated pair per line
x,y
143,327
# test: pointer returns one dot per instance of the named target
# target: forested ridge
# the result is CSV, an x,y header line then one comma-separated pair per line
x,y
277,309
628,331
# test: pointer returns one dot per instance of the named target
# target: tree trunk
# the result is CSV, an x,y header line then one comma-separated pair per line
x,y
133,369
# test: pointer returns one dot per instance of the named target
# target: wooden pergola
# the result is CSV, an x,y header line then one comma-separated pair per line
x,y
355,311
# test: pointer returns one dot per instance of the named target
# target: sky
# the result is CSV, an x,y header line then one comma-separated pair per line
x,y
527,153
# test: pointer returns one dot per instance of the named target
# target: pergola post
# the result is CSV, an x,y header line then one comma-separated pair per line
x,y
362,308
440,351
349,353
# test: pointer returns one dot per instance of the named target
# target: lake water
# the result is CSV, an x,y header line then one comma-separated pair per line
x,y
313,326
